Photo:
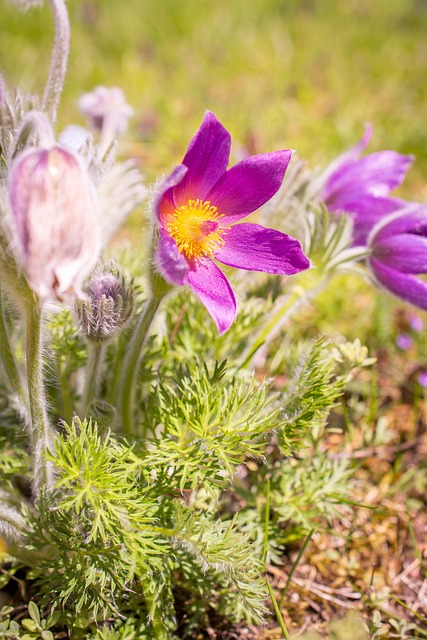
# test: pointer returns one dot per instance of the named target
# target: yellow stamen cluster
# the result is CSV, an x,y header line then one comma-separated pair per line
x,y
194,227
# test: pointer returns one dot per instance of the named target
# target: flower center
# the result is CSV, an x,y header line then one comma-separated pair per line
x,y
194,227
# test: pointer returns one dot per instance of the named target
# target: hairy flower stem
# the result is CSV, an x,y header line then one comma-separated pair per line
x,y
12,524
8,357
41,431
66,404
58,65
282,311
132,359
93,373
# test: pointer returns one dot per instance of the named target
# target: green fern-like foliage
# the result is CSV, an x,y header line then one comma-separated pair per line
x,y
137,540
206,423
308,492
110,540
313,390
101,531
14,462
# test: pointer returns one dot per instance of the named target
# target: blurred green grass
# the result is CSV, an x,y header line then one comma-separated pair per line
x,y
304,74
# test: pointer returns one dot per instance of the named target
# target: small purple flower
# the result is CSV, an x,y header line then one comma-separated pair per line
x,y
54,214
416,323
398,253
404,341
197,208
422,378
360,186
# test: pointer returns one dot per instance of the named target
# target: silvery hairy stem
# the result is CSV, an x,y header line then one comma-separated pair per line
x,y
58,65
42,435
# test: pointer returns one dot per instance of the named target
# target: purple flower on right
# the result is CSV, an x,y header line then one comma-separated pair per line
x,y
398,254
360,186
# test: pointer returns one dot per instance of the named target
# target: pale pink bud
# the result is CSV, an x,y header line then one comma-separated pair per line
x,y
55,217
106,108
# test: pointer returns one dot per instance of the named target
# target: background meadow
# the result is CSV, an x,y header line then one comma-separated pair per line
x,y
305,75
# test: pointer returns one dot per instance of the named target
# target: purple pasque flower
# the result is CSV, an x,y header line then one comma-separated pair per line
x,y
398,254
360,186
197,209
55,222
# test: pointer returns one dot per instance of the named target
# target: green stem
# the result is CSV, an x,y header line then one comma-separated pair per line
x,y
58,65
132,359
295,565
276,607
41,431
154,613
93,373
8,357
67,409
118,360
280,314
277,611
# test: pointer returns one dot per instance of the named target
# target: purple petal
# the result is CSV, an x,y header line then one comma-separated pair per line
x,y
164,202
367,211
349,156
171,264
376,174
252,247
249,184
411,219
405,252
404,286
213,289
206,159
354,152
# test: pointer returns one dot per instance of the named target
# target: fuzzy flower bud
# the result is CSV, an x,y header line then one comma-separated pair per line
x,y
107,111
108,307
54,211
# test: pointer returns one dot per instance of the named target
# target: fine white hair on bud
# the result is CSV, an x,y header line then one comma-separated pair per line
x,y
55,221
108,306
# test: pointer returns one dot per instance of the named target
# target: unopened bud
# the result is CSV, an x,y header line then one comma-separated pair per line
x,y
54,211
106,107
108,306
108,113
